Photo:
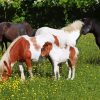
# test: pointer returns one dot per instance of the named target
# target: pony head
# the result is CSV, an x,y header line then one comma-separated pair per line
x,y
46,49
87,26
5,71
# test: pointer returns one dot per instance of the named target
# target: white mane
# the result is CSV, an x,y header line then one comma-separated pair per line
x,y
6,56
76,25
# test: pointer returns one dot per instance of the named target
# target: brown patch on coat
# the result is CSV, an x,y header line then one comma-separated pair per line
x,y
20,50
72,57
12,33
56,40
37,47
46,49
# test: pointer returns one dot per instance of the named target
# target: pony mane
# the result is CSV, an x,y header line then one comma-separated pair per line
x,y
76,25
6,56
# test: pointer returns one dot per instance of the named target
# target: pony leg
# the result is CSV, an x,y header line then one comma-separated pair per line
x,y
71,63
56,71
73,73
73,67
6,45
2,46
69,74
51,64
29,66
22,72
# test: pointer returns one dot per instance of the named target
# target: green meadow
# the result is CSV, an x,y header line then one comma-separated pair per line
x,y
85,86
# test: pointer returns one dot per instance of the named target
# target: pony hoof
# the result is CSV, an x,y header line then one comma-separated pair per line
x,y
68,78
23,79
71,78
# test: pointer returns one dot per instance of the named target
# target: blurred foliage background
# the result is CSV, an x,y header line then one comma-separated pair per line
x,y
52,13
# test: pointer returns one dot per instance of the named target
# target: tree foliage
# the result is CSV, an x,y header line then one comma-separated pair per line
x,y
47,12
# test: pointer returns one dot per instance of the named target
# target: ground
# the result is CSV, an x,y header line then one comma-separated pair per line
x,y
85,86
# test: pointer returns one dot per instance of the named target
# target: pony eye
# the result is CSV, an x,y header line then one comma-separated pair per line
x,y
5,71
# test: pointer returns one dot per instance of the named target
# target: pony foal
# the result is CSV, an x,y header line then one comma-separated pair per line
x,y
58,55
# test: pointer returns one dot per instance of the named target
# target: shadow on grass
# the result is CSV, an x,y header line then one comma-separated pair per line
x,y
39,69
94,61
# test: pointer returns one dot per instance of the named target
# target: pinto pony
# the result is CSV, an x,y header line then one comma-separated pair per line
x,y
24,49
67,35
58,55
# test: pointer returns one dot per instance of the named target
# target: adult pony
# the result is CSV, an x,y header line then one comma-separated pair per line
x,y
92,26
3,27
9,31
23,48
67,35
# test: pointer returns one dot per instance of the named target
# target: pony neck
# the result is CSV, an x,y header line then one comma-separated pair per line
x,y
6,56
93,28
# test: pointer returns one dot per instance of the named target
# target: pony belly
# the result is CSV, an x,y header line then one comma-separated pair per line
x,y
63,58
59,55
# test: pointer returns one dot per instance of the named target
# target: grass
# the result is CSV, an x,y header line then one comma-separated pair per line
x,y
85,86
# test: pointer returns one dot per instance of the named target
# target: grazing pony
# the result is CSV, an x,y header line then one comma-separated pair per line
x,y
23,49
67,35
3,27
10,31
58,55
92,26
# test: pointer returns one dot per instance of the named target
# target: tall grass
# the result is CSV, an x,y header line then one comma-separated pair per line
x,y
85,86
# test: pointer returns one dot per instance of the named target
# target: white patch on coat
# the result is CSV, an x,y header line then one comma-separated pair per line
x,y
35,54
64,35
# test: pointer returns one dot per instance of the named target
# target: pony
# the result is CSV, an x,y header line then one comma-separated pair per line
x,y
3,28
58,55
92,26
9,31
23,49
67,35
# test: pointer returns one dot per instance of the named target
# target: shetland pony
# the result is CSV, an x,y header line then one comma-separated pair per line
x,y
9,31
66,36
92,26
3,28
58,55
23,49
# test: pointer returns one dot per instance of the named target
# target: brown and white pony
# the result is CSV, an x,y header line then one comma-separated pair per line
x,y
58,55
23,48
67,35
